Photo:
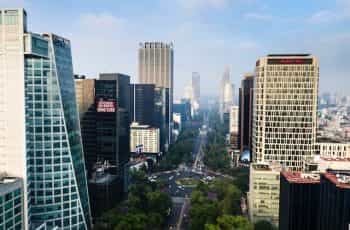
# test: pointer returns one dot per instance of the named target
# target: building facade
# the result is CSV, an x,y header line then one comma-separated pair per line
x,y
156,66
11,204
264,191
334,206
285,109
144,138
234,137
246,112
299,200
143,103
85,93
39,125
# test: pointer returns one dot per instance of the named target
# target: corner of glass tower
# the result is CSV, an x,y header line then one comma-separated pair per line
x,y
43,132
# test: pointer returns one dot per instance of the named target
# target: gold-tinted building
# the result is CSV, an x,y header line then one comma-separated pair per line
x,y
285,107
85,93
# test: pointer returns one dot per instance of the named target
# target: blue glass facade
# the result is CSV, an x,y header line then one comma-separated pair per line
x,y
57,186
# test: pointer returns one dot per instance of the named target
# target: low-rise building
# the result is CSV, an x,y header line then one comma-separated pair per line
x,y
264,190
144,138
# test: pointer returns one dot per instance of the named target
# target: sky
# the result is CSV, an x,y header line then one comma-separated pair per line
x,y
208,35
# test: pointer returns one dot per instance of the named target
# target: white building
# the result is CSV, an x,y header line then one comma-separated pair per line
x,y
145,138
234,111
285,109
264,192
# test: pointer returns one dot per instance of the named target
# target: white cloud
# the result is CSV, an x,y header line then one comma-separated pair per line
x,y
101,21
203,4
257,16
324,16
341,12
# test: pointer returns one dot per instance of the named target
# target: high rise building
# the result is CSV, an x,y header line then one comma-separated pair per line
x,y
11,203
285,109
156,66
143,103
192,92
196,86
226,94
39,125
299,200
246,112
234,139
144,138
105,134
106,128
85,93
334,198
319,202
264,190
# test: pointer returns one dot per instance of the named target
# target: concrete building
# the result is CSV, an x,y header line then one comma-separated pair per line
x,y
333,149
144,138
264,191
85,93
39,125
11,203
285,109
246,112
156,66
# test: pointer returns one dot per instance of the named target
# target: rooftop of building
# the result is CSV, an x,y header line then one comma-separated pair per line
x,y
8,184
272,167
333,139
136,125
301,178
338,159
340,180
288,55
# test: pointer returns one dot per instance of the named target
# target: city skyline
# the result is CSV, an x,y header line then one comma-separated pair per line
x,y
218,33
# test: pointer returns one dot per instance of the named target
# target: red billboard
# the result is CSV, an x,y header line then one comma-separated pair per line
x,y
103,106
290,61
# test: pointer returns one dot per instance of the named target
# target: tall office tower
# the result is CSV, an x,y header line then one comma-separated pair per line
x,y
285,109
39,126
192,92
246,112
156,66
112,119
142,98
196,86
85,93
234,139
299,201
226,94
264,191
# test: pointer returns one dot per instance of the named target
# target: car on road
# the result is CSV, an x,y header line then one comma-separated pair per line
x,y
171,177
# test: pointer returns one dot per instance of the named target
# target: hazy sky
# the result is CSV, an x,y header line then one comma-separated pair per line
x,y
207,34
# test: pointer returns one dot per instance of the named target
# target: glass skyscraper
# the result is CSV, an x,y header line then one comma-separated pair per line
x,y
49,147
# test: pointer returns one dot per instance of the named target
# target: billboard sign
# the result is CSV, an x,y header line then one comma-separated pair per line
x,y
104,106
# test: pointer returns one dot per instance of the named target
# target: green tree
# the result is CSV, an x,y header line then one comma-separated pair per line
x,y
158,202
264,225
228,222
